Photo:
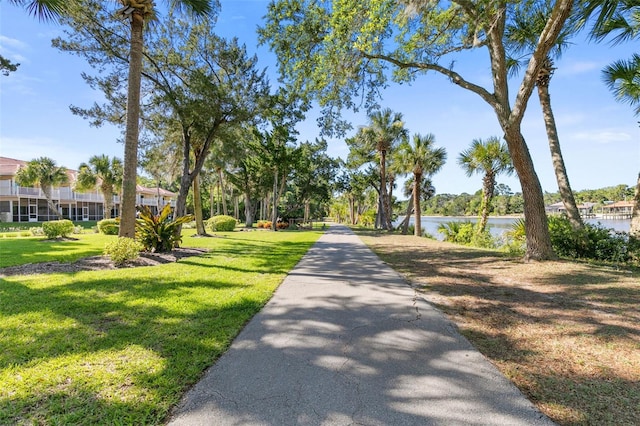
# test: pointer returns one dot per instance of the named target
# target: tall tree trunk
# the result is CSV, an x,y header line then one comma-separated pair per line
x,y
488,186
352,209
248,211
417,182
388,212
236,207
558,162
217,199
107,194
211,196
535,217
197,207
634,230
185,177
410,207
52,207
130,164
379,214
307,210
224,200
274,209
383,191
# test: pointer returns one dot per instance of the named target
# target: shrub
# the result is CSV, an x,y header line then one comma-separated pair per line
x,y
37,231
592,242
222,223
78,229
457,232
189,225
25,233
123,250
109,226
57,228
282,225
158,233
466,233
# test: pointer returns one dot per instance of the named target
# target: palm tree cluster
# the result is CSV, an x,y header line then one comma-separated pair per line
x,y
384,148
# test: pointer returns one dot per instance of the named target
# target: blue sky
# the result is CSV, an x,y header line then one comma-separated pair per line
x,y
600,137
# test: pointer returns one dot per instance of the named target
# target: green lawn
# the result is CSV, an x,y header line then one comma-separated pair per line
x,y
18,251
121,346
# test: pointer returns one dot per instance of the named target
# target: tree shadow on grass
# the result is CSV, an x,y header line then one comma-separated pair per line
x,y
112,315
584,315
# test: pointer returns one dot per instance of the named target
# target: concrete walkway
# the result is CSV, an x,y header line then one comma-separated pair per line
x,y
345,341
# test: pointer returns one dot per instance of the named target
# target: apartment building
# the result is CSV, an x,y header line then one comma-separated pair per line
x,y
22,204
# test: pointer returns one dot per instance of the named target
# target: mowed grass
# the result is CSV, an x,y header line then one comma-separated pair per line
x,y
18,251
121,346
566,333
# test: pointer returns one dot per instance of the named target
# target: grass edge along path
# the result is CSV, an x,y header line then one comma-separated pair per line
x,y
566,333
121,346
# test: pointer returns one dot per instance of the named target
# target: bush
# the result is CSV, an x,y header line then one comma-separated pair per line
x,y
57,228
466,233
109,226
264,224
457,232
592,242
222,223
282,225
123,250
158,233
25,233
37,231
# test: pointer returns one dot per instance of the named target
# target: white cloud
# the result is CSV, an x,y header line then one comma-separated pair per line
x,y
603,136
12,43
578,67
11,48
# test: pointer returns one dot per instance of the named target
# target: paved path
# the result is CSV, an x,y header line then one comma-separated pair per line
x,y
346,341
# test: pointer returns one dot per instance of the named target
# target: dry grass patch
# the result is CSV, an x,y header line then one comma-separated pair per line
x,y
566,333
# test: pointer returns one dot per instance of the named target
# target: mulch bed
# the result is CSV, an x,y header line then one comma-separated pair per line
x,y
97,263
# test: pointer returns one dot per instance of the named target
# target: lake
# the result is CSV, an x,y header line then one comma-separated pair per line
x,y
498,225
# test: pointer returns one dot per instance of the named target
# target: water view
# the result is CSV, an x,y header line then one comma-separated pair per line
x,y
498,225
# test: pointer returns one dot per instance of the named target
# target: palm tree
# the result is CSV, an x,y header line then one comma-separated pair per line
x,y
423,160
522,38
137,12
490,157
384,131
623,79
105,173
426,192
622,18
43,172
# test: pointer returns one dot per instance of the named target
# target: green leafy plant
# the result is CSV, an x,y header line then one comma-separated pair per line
x,y
456,232
222,223
158,233
593,242
515,239
109,226
57,228
123,250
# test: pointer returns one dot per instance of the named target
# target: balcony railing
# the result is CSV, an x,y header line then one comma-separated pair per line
x,y
65,194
